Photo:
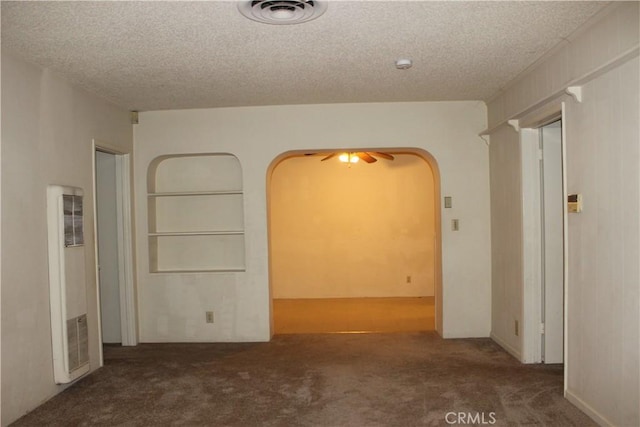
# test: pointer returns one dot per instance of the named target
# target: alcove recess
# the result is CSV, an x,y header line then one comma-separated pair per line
x,y
195,208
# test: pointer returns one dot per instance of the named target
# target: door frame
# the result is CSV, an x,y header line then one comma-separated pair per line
x,y
530,130
552,290
128,324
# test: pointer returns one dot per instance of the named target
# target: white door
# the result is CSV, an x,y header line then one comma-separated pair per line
x,y
552,243
108,257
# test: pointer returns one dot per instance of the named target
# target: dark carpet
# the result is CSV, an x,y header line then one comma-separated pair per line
x,y
410,379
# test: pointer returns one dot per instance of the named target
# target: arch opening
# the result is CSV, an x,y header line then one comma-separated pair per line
x,y
354,247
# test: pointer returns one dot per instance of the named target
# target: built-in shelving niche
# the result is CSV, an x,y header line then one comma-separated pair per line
x,y
195,207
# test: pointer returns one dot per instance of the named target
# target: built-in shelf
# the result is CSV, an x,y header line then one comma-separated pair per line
x,y
195,211
213,270
199,233
195,193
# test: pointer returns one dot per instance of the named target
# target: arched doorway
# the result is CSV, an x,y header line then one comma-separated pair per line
x,y
354,247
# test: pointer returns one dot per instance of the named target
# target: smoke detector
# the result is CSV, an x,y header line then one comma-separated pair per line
x,y
282,12
404,64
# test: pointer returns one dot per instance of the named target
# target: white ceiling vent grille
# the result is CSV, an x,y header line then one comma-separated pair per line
x,y
282,12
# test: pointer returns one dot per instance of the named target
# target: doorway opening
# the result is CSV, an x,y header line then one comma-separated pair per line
x,y
114,262
552,238
544,222
108,254
354,247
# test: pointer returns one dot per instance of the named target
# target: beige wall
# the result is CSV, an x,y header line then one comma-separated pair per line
x,y
172,306
603,164
47,131
341,231
506,239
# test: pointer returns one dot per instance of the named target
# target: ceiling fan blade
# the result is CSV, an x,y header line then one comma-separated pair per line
x,y
366,157
329,156
384,155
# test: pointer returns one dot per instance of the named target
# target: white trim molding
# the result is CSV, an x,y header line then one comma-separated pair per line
x,y
586,408
515,124
128,307
575,92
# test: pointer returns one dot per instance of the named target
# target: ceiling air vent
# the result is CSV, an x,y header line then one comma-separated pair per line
x,y
282,12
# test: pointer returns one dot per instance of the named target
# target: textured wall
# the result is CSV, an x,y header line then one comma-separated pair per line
x,y
603,164
172,306
47,130
506,238
602,161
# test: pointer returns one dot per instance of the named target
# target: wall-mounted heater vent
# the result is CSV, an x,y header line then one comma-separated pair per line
x,y
78,342
67,286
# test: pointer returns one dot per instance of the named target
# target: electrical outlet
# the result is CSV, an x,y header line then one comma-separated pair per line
x,y
408,279
209,316
455,225
516,327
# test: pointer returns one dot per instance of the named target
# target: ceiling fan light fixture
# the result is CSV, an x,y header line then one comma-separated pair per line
x,y
348,158
282,12
356,156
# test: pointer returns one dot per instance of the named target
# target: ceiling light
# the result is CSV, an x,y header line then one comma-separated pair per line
x,y
404,64
348,158
354,157
282,12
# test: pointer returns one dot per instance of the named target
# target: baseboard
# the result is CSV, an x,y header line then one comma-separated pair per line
x,y
587,409
458,334
510,349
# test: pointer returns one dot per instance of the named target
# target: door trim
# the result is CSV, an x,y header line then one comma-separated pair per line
x,y
125,251
128,323
532,227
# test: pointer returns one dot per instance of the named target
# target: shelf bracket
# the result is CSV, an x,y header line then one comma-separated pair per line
x,y
515,124
575,92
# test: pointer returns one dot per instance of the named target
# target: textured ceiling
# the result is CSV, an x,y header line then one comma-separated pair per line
x,y
170,55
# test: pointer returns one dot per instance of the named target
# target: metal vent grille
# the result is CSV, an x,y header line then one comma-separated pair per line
x,y
282,12
78,340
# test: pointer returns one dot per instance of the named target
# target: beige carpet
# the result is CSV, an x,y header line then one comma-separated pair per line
x,y
368,380
338,315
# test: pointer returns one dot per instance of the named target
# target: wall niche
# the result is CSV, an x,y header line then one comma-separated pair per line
x,y
196,216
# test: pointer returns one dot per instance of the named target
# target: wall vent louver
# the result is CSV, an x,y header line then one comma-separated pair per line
x,y
78,342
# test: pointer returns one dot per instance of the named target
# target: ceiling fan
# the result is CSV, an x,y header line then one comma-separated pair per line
x,y
353,157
